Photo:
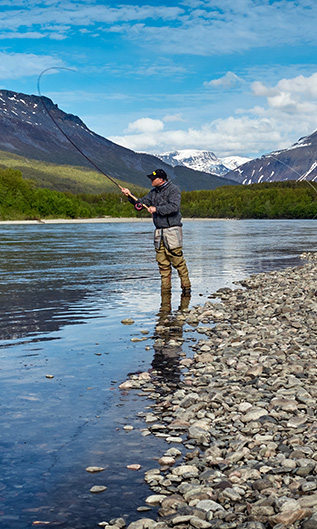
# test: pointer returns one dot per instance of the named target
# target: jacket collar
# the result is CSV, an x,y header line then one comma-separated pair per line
x,y
163,186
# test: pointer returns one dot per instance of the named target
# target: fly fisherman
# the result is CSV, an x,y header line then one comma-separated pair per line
x,y
163,202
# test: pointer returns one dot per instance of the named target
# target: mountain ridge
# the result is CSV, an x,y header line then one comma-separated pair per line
x,y
298,162
202,160
27,130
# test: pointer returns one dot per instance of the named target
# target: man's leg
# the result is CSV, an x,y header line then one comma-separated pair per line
x,y
165,267
176,257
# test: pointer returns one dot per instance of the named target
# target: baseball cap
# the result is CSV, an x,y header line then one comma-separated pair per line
x,y
158,173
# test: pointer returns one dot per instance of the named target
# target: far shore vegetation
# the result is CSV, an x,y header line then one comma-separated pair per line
x,y
23,199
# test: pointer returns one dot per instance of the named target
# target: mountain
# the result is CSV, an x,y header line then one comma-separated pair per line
x,y
298,162
232,162
27,130
205,161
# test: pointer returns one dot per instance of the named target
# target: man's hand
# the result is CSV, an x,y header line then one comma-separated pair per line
x,y
126,191
151,209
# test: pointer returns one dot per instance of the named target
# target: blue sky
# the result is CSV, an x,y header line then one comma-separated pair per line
x,y
237,77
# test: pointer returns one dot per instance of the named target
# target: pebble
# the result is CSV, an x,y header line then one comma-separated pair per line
x,y
98,488
95,469
244,412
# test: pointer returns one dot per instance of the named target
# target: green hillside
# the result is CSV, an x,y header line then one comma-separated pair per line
x,y
22,199
268,200
64,178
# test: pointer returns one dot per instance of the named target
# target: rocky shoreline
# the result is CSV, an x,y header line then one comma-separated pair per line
x,y
243,410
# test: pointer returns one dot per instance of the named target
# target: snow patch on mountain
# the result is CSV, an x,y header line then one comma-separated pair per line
x,y
233,162
205,161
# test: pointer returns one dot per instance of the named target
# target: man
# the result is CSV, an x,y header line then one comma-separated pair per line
x,y
163,202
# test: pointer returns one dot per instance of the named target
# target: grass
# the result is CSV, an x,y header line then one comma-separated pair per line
x,y
66,178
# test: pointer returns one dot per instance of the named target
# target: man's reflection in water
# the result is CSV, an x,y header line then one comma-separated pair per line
x,y
168,342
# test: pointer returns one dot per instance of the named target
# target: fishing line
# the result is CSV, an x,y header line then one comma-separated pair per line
x,y
300,176
61,130
66,135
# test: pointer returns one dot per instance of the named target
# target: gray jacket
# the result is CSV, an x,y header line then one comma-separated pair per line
x,y
167,200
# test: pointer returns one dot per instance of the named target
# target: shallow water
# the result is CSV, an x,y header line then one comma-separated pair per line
x,y
64,290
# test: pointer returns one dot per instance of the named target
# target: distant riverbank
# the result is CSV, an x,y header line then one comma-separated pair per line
x,y
92,221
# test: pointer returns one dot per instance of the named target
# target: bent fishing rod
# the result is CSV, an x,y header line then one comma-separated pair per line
x,y
71,141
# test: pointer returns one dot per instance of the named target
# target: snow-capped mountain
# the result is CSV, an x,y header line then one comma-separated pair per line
x,y
205,161
233,162
298,162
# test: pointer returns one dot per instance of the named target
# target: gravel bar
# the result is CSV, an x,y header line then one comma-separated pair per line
x,y
240,425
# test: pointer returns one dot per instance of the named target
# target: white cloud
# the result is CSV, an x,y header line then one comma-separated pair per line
x,y
146,125
224,136
231,27
172,117
197,28
17,65
26,35
81,14
296,97
300,85
227,81
289,112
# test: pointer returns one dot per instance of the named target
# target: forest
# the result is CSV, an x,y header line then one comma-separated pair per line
x,y
22,199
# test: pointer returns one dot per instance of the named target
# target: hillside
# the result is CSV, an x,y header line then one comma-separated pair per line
x,y
298,162
22,200
65,178
27,130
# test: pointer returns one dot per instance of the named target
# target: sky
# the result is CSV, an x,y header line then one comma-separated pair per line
x,y
235,77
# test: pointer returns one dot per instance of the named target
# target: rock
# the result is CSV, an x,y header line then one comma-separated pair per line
x,y
95,469
209,505
134,466
199,434
199,523
251,525
253,414
144,523
127,321
128,384
118,522
155,499
166,460
289,517
185,470
295,422
172,439
308,501
98,488
311,523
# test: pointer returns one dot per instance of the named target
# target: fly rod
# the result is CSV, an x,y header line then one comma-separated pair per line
x,y
70,140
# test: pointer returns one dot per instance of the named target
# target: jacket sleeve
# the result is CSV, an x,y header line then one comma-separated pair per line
x,y
147,200
172,203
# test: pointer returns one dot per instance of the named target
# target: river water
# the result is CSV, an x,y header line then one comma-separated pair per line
x,y
64,290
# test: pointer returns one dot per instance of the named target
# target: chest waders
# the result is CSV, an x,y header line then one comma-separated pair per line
x,y
168,256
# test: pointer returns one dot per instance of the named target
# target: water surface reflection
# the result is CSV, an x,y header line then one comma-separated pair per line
x,y
64,291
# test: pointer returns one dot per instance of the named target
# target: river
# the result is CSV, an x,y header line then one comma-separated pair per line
x,y
64,290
